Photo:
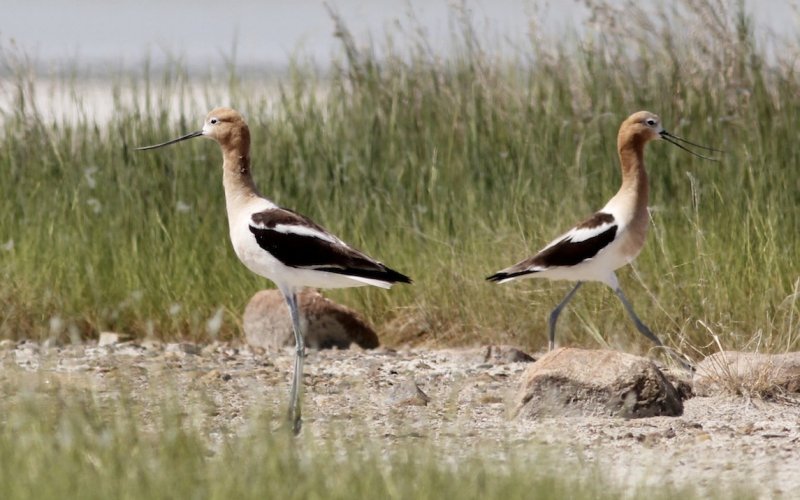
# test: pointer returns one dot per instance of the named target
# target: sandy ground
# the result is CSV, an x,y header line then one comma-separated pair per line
x,y
720,440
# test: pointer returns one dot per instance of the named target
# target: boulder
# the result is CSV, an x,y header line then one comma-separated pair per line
x,y
748,373
327,324
579,382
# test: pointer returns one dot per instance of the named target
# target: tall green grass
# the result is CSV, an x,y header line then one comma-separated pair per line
x,y
447,167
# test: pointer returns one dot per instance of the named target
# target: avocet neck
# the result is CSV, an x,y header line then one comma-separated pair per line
x,y
634,175
630,202
240,190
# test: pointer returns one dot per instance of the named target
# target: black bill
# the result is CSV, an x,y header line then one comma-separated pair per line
x,y
173,141
674,139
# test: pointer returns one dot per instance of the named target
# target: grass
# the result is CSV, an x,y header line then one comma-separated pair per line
x,y
749,374
445,166
60,441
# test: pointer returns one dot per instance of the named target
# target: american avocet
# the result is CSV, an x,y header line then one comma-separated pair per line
x,y
612,237
280,244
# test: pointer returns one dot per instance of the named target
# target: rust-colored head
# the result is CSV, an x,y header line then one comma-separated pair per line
x,y
639,129
228,128
643,127
224,125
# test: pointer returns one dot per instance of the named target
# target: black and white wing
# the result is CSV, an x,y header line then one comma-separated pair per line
x,y
298,242
577,245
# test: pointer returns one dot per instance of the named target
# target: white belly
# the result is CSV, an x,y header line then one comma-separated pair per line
x,y
599,268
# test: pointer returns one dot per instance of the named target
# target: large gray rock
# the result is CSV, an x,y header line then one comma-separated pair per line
x,y
581,382
327,324
748,373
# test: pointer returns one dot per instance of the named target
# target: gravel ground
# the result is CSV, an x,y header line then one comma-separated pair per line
x,y
462,408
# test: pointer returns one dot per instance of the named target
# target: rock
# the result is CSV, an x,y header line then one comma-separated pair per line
x,y
327,324
183,347
129,349
52,343
7,345
28,345
109,338
748,373
410,328
27,356
578,382
152,345
681,380
211,349
408,393
502,354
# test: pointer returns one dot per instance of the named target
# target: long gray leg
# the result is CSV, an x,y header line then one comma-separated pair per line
x,y
636,321
556,312
297,381
644,330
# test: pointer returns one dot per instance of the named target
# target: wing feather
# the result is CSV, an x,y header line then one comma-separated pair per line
x,y
579,244
298,242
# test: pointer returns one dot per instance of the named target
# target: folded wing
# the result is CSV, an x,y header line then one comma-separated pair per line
x,y
298,242
579,244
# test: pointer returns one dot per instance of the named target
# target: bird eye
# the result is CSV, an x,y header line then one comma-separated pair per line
x,y
213,121
651,122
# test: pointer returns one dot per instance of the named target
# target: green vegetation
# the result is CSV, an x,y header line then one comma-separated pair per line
x,y
447,167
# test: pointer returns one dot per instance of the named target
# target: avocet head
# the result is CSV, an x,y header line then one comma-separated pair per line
x,y
644,126
224,125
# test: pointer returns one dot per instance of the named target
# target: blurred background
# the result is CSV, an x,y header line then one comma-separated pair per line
x,y
94,39
112,36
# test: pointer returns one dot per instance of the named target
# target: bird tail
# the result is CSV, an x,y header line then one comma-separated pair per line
x,y
383,277
504,276
393,276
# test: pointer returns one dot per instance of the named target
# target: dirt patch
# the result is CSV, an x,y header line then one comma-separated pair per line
x,y
717,440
